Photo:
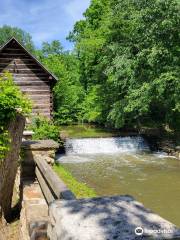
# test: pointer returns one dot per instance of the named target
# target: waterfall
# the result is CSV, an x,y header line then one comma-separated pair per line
x,y
105,145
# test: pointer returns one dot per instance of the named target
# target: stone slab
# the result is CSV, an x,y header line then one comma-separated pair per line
x,y
107,218
40,145
34,214
28,132
27,135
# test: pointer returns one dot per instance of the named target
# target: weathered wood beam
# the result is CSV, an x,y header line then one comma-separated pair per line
x,y
18,60
34,88
57,185
44,186
35,91
28,71
33,83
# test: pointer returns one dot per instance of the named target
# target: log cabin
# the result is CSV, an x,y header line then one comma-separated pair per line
x,y
30,75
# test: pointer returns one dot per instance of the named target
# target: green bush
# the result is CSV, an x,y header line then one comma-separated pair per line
x,y
44,129
12,101
4,143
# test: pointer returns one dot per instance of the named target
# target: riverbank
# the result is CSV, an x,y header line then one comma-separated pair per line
x,y
81,190
93,131
167,141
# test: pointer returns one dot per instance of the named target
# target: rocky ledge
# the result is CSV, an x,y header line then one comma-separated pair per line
x,y
119,217
39,144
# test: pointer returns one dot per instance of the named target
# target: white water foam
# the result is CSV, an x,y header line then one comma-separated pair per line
x,y
105,145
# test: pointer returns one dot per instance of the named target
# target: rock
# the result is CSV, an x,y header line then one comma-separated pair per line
x,y
106,218
27,135
177,148
49,160
151,131
34,213
64,135
40,145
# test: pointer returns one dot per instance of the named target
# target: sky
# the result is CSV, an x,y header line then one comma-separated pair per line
x,y
45,20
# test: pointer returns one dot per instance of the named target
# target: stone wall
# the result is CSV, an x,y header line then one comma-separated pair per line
x,y
29,149
34,213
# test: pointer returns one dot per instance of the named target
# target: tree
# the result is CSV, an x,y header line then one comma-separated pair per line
x,y
128,53
53,48
7,32
68,92
89,36
142,62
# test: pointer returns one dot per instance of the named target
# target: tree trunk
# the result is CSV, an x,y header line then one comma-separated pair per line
x,y
9,166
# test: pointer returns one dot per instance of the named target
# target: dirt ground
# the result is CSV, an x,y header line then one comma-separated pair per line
x,y
10,231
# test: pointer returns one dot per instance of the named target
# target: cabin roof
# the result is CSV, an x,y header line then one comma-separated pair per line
x,y
34,58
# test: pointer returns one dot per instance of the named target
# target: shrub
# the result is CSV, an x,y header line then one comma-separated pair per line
x,y
4,143
44,129
12,101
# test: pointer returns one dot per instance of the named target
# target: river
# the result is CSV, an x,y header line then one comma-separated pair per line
x,y
125,165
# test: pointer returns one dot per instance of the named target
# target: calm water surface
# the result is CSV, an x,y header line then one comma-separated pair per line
x,y
153,179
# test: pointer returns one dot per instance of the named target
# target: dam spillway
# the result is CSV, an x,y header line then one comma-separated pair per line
x,y
111,145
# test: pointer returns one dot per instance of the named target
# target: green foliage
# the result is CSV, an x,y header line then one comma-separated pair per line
x,y
81,190
12,101
90,36
129,65
68,92
52,48
7,32
124,69
144,63
44,129
91,106
4,143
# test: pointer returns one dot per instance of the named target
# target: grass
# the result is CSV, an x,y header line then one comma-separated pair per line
x,y
88,131
81,190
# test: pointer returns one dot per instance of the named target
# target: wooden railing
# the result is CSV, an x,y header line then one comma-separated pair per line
x,y
52,186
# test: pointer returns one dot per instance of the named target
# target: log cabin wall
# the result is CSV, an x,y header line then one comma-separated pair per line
x,y
30,76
